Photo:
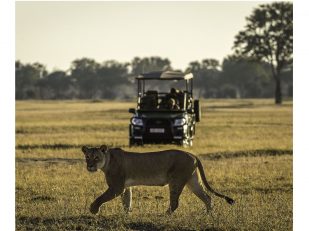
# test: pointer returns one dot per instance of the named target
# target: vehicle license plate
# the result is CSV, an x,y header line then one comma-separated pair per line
x,y
156,130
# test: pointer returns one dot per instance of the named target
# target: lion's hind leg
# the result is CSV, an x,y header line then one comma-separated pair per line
x,y
195,184
127,199
175,191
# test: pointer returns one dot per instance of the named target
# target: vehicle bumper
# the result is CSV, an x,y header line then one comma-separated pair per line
x,y
170,135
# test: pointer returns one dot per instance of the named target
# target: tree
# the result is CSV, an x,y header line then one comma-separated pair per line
x,y
112,74
26,77
206,76
84,72
250,78
56,85
268,36
95,80
149,64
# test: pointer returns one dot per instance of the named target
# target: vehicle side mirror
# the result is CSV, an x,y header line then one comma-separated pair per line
x,y
132,110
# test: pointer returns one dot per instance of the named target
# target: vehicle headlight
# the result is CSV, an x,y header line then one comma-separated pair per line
x,y
180,122
137,121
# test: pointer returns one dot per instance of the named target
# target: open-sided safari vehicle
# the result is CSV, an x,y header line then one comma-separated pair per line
x,y
166,111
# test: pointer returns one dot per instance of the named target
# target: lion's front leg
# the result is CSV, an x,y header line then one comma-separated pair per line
x,y
108,195
127,199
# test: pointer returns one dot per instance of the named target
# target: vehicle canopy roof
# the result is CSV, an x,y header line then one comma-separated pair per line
x,y
165,75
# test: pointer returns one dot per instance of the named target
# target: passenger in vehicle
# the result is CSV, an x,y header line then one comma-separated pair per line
x,y
172,100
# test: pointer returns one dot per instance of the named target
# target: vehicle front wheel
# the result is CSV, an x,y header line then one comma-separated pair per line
x,y
133,142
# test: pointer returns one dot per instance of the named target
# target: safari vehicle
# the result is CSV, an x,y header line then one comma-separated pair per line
x,y
164,113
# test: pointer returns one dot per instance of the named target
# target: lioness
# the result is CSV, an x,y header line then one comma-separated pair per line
x,y
124,169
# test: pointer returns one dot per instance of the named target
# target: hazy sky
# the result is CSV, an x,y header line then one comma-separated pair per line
x,y
56,33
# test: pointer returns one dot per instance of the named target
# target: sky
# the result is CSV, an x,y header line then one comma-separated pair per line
x,y
56,33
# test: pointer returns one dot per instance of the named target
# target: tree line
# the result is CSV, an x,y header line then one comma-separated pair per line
x,y
261,67
88,79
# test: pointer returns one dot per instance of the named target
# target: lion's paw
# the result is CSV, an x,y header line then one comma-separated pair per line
x,y
94,209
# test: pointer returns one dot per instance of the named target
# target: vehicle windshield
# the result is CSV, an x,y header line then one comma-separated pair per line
x,y
164,86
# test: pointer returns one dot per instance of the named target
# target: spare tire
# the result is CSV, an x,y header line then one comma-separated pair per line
x,y
197,110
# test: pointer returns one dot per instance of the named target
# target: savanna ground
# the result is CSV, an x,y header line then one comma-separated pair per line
x,y
245,147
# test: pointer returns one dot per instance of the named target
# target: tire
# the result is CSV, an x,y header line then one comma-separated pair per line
x,y
197,110
133,142
139,143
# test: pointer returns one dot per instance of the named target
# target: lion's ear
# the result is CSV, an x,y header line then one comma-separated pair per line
x,y
103,148
85,149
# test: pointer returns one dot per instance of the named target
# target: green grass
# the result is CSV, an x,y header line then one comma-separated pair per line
x,y
245,147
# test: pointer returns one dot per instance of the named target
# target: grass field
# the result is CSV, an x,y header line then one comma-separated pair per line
x,y
245,146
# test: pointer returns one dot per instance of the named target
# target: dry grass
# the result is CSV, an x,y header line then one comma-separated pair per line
x,y
245,147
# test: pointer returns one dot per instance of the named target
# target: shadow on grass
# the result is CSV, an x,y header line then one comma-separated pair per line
x,y
50,160
287,188
243,104
42,198
145,226
47,146
235,105
93,223
53,146
67,223
246,153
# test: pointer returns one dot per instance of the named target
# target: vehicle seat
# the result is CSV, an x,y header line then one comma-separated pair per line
x,y
150,100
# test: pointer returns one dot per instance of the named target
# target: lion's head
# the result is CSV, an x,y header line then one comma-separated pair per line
x,y
95,157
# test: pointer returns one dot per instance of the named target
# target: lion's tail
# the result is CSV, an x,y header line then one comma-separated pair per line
x,y
200,167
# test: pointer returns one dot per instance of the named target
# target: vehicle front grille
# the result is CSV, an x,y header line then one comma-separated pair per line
x,y
158,124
